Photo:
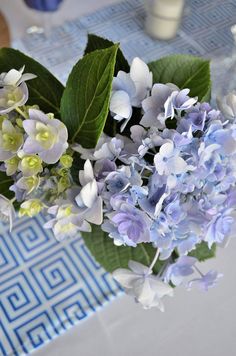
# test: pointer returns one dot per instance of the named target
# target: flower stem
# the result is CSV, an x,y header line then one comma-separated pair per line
x,y
198,270
163,268
13,200
150,153
154,261
21,113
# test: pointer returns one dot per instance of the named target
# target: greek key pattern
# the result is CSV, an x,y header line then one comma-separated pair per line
x,y
46,287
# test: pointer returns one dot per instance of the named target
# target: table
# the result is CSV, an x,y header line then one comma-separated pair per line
x,y
193,324
4,32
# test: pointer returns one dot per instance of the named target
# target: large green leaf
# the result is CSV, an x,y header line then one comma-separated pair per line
x,y
95,42
85,102
5,183
112,257
186,72
45,90
203,252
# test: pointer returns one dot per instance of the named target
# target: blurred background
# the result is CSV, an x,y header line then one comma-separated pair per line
x,y
20,15
160,27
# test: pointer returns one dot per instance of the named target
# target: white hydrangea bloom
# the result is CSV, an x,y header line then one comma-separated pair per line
x,y
129,90
14,91
140,283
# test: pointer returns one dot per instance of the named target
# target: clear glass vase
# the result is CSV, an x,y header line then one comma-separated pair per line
x,y
45,9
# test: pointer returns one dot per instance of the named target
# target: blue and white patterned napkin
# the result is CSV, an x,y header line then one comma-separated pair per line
x,y
45,286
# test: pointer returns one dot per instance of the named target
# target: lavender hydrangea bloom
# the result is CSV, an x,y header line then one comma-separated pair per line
x,y
168,160
152,204
46,137
197,119
106,148
209,280
103,167
137,134
161,234
199,116
183,267
224,136
178,100
128,226
119,180
175,212
191,174
219,227
110,149
176,240
154,106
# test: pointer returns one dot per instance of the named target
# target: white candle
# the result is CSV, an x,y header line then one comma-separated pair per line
x,y
163,18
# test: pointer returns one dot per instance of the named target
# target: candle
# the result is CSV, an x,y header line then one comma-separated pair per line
x,y
163,18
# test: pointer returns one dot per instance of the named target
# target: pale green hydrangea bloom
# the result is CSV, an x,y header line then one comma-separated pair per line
x,y
28,184
31,207
30,165
11,140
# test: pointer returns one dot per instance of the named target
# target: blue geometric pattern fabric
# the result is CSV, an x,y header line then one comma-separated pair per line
x,y
46,287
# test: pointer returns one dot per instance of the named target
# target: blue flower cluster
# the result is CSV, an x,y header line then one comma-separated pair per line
x,y
173,187
172,182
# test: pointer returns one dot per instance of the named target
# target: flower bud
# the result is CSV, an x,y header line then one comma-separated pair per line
x,y
66,161
30,208
63,184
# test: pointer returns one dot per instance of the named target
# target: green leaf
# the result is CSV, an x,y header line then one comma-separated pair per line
x,y
96,42
5,183
202,252
77,165
184,71
85,102
45,90
112,257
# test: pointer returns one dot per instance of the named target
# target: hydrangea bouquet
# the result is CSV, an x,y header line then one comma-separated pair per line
x,y
134,158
